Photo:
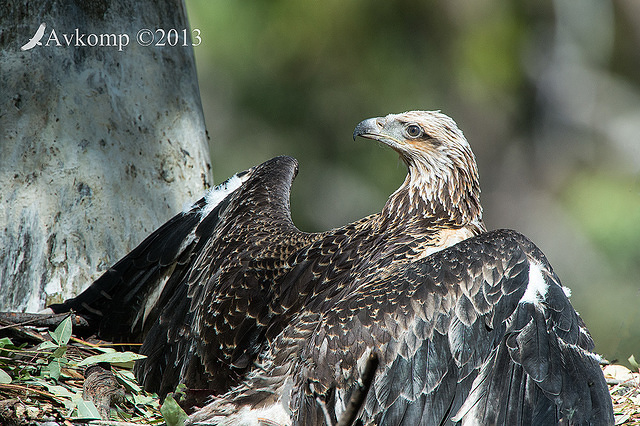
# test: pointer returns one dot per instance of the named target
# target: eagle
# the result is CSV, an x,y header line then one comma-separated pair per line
x,y
269,325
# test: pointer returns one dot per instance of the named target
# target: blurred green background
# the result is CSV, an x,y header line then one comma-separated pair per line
x,y
547,92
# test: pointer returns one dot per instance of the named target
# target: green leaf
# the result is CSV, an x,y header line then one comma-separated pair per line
x,y
62,333
107,350
149,400
60,351
634,363
47,345
4,377
128,380
172,413
180,392
5,341
87,411
54,369
57,390
113,358
63,395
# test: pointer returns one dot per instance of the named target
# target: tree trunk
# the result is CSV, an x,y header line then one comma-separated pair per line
x,y
100,142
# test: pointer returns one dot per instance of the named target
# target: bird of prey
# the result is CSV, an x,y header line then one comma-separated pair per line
x,y
277,326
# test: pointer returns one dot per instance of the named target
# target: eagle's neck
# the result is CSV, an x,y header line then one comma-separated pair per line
x,y
448,197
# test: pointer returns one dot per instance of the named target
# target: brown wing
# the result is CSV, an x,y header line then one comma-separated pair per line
x,y
124,302
198,291
479,333
213,328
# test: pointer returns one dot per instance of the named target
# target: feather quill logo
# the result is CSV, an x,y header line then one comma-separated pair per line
x,y
35,40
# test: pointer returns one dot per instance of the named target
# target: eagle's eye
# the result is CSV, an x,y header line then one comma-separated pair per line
x,y
413,130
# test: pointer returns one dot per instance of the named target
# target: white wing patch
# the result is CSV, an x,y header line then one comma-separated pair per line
x,y
537,287
151,299
276,414
222,412
220,192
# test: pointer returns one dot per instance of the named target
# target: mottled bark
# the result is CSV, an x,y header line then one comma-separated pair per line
x,y
99,144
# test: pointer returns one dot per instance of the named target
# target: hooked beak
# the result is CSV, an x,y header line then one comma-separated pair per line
x,y
369,128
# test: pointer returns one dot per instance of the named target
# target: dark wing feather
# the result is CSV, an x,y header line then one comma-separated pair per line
x,y
198,291
215,325
458,343
114,301
127,302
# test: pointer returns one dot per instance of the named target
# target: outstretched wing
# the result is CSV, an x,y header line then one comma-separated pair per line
x,y
126,300
198,291
210,332
479,333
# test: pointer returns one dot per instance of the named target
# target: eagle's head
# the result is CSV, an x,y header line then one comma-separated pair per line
x,y
442,168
